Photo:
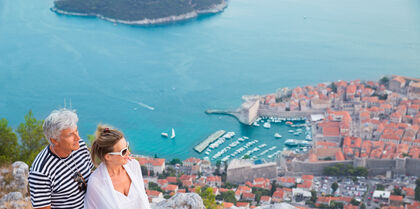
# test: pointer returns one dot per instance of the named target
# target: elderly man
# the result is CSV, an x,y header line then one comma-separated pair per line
x,y
58,176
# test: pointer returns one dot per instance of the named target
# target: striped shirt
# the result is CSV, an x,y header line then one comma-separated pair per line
x,y
51,179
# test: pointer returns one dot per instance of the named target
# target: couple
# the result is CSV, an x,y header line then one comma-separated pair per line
x,y
59,175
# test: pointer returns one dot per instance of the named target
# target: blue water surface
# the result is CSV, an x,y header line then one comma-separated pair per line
x,y
182,69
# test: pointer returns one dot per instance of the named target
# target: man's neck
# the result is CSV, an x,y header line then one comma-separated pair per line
x,y
60,152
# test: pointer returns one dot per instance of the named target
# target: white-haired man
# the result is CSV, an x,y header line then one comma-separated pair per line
x,y
59,174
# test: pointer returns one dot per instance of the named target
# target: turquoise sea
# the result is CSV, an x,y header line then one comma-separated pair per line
x,y
182,69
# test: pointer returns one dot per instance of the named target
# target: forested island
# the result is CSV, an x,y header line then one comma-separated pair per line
x,y
139,12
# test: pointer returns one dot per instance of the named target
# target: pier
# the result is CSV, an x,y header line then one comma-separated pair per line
x,y
246,114
204,144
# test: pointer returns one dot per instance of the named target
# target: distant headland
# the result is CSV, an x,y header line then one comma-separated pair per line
x,y
139,12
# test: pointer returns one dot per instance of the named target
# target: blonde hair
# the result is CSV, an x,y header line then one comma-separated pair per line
x,y
105,139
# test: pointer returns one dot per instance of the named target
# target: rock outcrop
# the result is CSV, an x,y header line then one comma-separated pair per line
x,y
14,186
181,201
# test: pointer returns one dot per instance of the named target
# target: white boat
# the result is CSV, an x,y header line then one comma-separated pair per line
x,y
291,142
164,134
291,131
256,124
267,125
173,133
277,135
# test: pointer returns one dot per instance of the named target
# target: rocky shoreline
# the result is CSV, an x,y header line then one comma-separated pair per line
x,y
163,20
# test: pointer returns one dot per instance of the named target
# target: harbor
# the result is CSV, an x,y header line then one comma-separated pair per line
x,y
204,144
288,135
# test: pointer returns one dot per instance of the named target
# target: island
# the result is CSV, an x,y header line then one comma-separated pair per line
x,y
139,12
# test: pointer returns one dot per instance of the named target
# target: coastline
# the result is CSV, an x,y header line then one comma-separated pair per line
x,y
215,9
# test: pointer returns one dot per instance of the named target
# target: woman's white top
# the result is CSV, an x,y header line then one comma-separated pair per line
x,y
102,195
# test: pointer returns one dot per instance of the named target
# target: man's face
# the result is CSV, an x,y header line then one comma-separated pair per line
x,y
69,139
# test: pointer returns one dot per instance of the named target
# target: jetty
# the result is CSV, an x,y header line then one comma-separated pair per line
x,y
204,144
246,114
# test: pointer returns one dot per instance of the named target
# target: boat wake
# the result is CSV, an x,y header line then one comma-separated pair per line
x,y
146,106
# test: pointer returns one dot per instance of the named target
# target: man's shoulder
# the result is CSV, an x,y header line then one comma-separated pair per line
x,y
40,160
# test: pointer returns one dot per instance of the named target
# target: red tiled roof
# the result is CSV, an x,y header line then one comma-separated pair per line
x,y
152,161
398,198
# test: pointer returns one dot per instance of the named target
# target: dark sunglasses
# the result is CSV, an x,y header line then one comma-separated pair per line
x,y
78,178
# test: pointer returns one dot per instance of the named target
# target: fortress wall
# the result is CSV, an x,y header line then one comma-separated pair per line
x,y
315,168
249,173
413,167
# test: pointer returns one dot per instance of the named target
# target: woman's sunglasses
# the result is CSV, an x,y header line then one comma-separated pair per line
x,y
121,153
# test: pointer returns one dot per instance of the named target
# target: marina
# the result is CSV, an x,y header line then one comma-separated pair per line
x,y
297,132
203,145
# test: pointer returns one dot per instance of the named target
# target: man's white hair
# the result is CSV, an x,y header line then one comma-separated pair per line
x,y
57,121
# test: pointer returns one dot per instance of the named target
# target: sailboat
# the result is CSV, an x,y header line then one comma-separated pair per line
x,y
173,133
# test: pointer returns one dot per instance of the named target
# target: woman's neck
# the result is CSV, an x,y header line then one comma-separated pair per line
x,y
114,170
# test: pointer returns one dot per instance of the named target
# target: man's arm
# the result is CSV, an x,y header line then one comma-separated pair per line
x,y
40,190
47,207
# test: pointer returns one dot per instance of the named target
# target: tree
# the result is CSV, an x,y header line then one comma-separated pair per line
x,y
247,157
396,191
313,196
273,187
8,143
91,138
384,81
380,187
333,87
217,171
334,187
363,206
229,196
143,170
209,199
354,202
175,161
32,138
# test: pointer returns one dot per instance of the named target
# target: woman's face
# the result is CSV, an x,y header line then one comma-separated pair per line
x,y
118,159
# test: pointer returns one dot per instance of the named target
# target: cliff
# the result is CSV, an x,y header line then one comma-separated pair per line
x,y
139,12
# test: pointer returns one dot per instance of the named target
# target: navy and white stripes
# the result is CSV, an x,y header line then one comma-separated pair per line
x,y
51,178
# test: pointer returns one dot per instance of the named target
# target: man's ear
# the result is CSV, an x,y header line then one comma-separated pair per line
x,y
54,141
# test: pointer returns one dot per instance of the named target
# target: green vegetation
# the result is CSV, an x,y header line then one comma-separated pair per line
x,y
175,161
209,199
345,170
354,202
384,81
32,140
396,191
154,186
380,187
228,196
132,10
260,192
334,187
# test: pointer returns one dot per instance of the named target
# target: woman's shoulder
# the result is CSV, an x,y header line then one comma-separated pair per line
x,y
97,175
134,164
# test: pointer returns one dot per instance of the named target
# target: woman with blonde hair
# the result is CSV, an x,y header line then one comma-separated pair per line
x,y
117,183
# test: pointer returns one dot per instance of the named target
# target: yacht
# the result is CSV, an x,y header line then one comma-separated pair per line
x,y
291,142
277,135
164,134
267,125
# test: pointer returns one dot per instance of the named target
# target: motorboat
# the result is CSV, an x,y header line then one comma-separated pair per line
x,y
277,135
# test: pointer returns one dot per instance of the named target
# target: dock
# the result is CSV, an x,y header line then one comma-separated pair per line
x,y
204,144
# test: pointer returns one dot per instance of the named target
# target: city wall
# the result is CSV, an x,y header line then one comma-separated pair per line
x,y
375,167
242,174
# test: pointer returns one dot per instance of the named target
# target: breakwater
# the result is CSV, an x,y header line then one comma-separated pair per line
x,y
204,144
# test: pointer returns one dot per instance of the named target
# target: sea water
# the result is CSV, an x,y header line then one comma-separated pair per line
x,y
147,80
